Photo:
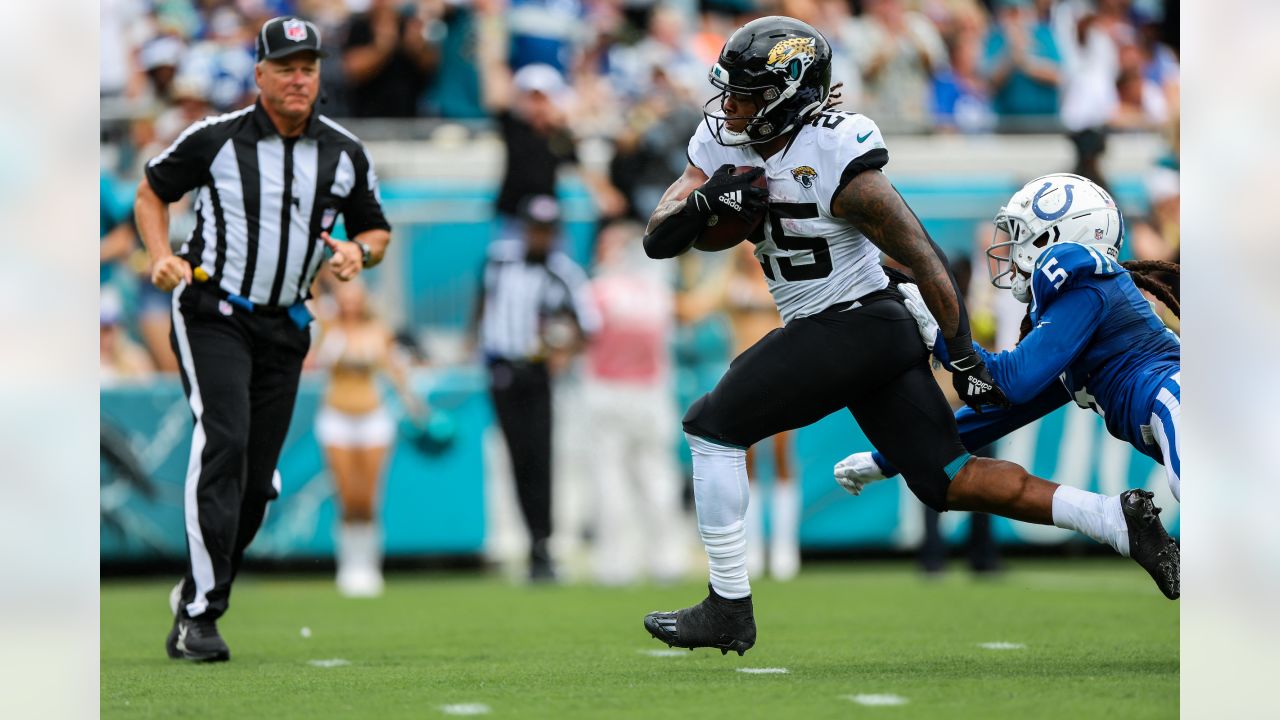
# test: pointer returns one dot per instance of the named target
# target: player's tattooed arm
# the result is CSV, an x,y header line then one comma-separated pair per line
x,y
672,230
873,205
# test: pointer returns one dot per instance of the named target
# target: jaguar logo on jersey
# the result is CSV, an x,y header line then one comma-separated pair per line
x,y
295,30
804,175
793,56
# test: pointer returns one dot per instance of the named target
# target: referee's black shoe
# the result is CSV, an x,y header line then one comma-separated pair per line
x,y
1149,544
715,622
197,639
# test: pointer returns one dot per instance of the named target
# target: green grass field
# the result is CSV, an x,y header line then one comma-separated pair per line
x,y
1098,641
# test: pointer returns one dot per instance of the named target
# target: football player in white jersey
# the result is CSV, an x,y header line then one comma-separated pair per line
x,y
848,340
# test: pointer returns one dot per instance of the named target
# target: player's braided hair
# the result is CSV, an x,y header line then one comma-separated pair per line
x,y
1144,274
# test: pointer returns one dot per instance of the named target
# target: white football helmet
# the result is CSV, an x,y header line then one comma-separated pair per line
x,y
1051,209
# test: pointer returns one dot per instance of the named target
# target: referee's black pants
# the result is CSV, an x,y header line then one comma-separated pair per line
x,y
240,370
522,400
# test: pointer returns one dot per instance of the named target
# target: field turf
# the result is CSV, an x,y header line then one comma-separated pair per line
x,y
1091,638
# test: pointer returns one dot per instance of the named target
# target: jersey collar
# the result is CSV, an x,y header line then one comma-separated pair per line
x,y
262,123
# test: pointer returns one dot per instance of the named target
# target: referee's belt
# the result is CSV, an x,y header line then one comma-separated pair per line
x,y
297,312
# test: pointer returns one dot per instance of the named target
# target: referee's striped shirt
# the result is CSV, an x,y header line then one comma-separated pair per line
x,y
262,200
521,294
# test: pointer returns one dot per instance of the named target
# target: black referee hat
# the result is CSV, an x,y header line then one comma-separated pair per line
x,y
284,36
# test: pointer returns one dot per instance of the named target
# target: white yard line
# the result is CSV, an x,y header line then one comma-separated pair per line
x,y
465,709
877,700
763,671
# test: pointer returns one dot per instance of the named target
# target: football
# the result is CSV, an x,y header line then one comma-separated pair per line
x,y
729,230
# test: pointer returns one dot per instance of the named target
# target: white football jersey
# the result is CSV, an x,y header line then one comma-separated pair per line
x,y
811,258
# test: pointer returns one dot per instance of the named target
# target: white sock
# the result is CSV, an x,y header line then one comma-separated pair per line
x,y
755,537
721,496
784,545
1098,516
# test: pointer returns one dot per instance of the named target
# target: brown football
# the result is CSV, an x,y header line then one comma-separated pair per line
x,y
729,229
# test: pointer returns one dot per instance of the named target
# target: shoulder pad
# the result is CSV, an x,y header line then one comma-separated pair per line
x,y
1067,265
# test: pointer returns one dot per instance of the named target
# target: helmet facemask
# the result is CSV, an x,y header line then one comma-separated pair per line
x,y
765,124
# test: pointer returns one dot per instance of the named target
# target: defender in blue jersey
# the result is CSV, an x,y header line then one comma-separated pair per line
x,y
1090,336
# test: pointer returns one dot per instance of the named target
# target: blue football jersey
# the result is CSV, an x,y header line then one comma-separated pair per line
x,y
1094,340
1092,326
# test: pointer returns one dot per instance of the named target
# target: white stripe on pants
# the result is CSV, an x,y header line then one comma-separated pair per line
x,y
201,563
1164,425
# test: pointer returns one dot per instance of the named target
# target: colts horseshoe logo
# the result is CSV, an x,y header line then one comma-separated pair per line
x,y
1066,205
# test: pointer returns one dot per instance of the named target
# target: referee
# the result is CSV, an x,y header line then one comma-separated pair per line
x,y
534,308
269,181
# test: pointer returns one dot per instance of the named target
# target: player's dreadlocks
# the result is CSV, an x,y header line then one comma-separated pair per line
x,y
1144,274
833,97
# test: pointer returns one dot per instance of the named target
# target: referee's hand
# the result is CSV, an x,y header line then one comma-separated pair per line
x,y
167,272
347,258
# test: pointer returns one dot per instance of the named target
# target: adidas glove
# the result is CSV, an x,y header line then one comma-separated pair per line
x,y
727,194
970,377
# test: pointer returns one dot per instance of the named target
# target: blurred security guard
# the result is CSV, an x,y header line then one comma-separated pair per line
x,y
534,311
269,181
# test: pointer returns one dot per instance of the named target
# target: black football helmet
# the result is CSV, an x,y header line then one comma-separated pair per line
x,y
784,64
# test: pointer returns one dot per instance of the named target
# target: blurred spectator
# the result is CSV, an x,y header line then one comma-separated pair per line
x,y
631,405
1141,103
224,60
456,90
667,50
529,106
389,56
160,58
651,147
545,32
899,51
1023,63
116,236
123,29
962,100
120,358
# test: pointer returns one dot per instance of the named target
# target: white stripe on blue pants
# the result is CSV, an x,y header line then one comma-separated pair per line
x,y
1164,425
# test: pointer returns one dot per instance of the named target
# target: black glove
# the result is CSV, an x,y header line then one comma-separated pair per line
x,y
970,377
727,194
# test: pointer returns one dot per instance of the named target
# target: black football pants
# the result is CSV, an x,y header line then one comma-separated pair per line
x,y
866,357
522,400
240,371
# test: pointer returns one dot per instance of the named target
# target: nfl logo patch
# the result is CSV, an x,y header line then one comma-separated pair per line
x,y
1097,234
295,30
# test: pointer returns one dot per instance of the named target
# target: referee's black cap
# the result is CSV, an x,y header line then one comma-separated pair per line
x,y
542,210
284,36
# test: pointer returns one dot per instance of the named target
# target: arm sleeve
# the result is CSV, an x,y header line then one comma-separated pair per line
x,y
363,208
184,165
1063,331
980,430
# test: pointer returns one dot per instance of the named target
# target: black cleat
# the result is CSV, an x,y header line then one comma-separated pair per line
x,y
1149,545
197,639
542,570
715,622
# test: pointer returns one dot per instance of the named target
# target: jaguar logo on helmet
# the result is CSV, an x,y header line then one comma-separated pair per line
x,y
802,48
804,175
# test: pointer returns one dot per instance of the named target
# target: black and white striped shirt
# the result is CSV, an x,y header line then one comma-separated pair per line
x,y
521,294
262,200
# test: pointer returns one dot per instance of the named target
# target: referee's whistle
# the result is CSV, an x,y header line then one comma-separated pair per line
x,y
200,274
